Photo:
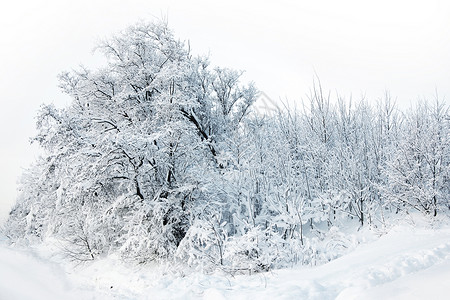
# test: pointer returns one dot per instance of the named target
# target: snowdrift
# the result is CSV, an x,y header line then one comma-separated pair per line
x,y
403,264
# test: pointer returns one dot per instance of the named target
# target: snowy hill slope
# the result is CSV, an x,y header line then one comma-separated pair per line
x,y
404,264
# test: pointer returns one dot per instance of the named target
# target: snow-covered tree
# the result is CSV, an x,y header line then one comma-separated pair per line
x,y
418,174
131,157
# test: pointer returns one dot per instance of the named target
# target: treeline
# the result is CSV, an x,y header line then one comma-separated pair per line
x,y
161,157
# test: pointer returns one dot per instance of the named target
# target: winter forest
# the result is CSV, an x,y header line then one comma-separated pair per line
x,y
161,157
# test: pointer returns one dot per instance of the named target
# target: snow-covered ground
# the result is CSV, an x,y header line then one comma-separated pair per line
x,y
403,264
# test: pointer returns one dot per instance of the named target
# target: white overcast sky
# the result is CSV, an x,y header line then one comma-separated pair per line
x,y
356,47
